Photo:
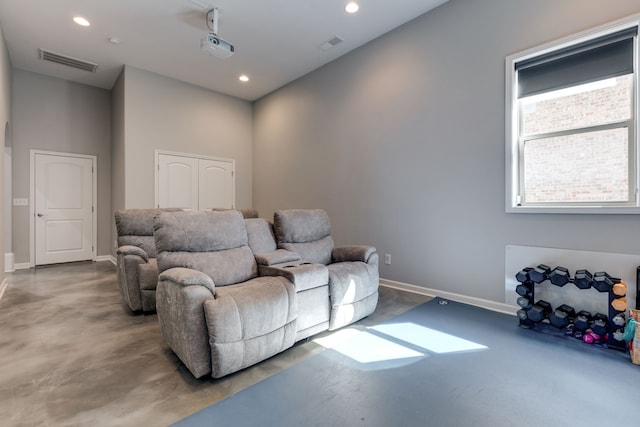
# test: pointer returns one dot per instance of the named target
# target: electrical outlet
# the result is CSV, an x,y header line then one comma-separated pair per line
x,y
387,259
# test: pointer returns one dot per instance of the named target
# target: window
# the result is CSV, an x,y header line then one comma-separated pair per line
x,y
572,134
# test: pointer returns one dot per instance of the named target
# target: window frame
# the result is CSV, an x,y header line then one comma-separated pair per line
x,y
513,145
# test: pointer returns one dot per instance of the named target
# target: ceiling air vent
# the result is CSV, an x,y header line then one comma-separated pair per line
x,y
47,55
332,42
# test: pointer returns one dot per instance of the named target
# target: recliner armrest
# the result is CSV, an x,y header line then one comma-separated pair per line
x,y
187,277
303,275
133,250
353,253
278,256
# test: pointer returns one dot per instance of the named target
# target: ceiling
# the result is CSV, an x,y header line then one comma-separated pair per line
x,y
276,41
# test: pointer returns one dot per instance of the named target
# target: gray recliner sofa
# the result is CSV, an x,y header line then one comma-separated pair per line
x,y
353,270
228,296
136,257
215,312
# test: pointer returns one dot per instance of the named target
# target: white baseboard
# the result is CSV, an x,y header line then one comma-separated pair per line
x,y
109,258
26,265
478,302
8,262
22,266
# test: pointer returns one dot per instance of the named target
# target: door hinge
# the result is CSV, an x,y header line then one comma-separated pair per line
x,y
92,210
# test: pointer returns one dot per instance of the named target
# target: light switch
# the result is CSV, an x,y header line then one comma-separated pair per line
x,y
20,202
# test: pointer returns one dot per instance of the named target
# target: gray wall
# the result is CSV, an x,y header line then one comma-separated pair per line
x,y
58,115
402,142
5,129
166,114
117,153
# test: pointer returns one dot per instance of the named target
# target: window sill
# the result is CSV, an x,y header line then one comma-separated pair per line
x,y
606,210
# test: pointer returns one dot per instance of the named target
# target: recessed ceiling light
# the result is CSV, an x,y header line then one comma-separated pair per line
x,y
243,78
352,7
81,21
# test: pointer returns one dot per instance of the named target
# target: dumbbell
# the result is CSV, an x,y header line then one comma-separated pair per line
x,y
600,324
523,289
582,320
591,337
524,302
540,273
603,282
619,304
570,329
524,322
617,334
562,316
619,289
619,320
539,311
583,279
523,275
559,276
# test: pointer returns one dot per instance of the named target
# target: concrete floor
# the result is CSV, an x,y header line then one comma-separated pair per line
x,y
72,354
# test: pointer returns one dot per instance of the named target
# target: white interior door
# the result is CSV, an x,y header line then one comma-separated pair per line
x,y
63,208
177,182
194,183
215,184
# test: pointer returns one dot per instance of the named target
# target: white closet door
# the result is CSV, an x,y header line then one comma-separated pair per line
x,y
215,184
195,183
177,182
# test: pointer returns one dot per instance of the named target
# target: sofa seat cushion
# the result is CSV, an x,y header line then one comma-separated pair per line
x,y
148,275
278,256
250,322
350,282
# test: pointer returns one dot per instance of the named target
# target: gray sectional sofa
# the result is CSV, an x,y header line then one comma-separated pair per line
x,y
232,291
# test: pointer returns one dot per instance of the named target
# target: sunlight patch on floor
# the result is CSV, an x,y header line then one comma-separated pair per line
x,y
395,342
369,348
427,338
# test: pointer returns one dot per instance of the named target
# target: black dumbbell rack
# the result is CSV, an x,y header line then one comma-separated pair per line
x,y
529,277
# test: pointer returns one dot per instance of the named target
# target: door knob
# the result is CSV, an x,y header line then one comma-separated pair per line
x,y
40,215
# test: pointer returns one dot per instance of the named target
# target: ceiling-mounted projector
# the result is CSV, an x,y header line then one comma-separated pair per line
x,y
212,44
216,46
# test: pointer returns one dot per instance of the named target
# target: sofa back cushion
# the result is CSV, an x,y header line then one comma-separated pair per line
x,y
214,243
260,234
305,231
135,228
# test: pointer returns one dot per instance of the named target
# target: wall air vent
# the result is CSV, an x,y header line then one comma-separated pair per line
x,y
332,42
47,55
